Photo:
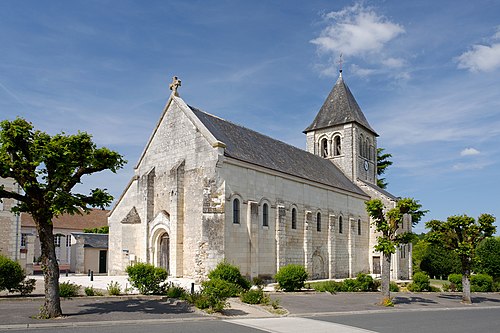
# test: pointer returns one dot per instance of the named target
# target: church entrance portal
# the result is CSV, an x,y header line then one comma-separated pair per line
x,y
164,251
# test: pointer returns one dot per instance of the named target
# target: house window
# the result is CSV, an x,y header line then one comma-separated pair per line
x,y
57,240
265,215
24,240
1,204
340,224
324,148
337,148
294,218
68,241
236,211
359,227
318,222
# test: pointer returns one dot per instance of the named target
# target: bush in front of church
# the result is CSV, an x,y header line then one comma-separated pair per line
x,y
147,278
291,277
230,273
13,277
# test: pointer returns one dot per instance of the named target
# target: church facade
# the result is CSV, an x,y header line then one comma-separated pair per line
x,y
207,190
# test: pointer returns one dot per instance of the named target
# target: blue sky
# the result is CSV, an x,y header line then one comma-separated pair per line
x,y
425,73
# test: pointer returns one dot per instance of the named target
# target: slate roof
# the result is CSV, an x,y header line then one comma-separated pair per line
x,y
379,189
96,241
249,146
340,107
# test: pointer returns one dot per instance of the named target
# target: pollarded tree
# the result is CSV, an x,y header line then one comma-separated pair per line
x,y
462,234
388,224
46,169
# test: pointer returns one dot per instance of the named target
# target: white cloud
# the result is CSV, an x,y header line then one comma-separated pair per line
x,y
481,58
469,152
356,31
359,71
470,166
393,62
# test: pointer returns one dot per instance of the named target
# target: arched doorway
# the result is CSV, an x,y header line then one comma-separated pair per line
x,y
164,252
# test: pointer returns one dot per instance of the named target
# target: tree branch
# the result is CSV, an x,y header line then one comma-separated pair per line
x,y
12,195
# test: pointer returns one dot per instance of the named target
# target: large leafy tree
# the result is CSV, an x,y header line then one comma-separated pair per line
x,y
391,234
488,255
47,168
382,163
462,234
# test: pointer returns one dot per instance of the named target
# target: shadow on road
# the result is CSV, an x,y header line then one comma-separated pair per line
x,y
412,300
136,306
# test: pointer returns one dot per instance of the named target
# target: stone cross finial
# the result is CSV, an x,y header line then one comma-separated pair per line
x,y
176,83
340,62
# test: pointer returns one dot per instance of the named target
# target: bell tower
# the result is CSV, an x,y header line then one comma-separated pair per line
x,y
341,133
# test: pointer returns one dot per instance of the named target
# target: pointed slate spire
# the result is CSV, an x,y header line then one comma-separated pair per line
x,y
340,107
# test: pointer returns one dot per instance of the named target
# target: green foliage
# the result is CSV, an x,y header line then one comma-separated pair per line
x,y
215,293
366,282
174,291
481,283
258,282
68,289
26,287
47,168
455,282
147,278
254,296
230,273
382,163
393,287
113,288
91,291
436,260
99,230
11,274
420,283
327,286
488,257
291,277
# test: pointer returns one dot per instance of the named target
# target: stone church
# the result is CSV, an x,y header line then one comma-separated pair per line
x,y
207,190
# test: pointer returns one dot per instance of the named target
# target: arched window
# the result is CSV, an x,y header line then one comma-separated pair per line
x,y
324,147
361,145
318,222
340,224
359,227
372,156
236,211
294,218
265,215
367,147
337,147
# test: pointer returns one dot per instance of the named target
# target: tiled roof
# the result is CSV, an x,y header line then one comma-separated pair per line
x,y
97,241
249,146
340,107
95,219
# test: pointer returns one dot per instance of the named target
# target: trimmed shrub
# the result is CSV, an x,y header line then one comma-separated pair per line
x,y
420,282
291,277
481,283
11,274
455,282
215,292
253,296
258,282
26,286
147,278
230,273
366,282
68,289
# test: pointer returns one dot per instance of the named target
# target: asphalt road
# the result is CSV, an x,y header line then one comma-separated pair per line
x,y
442,321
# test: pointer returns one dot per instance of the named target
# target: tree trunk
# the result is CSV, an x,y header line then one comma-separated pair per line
x,y
386,279
466,298
50,267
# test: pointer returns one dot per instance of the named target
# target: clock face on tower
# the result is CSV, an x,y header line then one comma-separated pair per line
x,y
366,165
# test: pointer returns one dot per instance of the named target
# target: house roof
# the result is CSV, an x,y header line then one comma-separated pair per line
x,y
95,219
97,241
249,146
340,107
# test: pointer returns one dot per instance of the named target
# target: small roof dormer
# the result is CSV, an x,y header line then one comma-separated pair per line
x,y
340,107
